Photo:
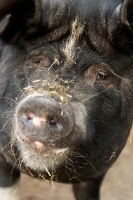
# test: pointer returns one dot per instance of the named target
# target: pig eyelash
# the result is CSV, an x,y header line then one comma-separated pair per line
x,y
120,77
98,75
116,75
102,75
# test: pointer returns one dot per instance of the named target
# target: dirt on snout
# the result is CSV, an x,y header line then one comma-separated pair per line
x,y
117,185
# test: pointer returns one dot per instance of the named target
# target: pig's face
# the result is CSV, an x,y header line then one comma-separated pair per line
x,y
67,93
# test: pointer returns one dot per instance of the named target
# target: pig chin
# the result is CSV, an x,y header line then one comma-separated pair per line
x,y
40,157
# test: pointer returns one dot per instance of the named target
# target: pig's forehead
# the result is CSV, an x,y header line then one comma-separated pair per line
x,y
57,12
71,8
62,13
60,17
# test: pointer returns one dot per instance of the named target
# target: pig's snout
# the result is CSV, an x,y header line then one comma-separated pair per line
x,y
39,111
43,119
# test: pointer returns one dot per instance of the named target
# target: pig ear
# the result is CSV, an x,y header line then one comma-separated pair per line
x,y
16,16
121,25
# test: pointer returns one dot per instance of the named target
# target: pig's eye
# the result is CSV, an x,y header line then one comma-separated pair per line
x,y
98,74
103,75
38,59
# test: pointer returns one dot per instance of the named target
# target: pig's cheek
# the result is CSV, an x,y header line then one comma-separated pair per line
x,y
80,116
12,192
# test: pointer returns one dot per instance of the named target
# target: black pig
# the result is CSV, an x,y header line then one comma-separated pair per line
x,y
66,94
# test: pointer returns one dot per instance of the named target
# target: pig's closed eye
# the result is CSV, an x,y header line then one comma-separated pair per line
x,y
98,74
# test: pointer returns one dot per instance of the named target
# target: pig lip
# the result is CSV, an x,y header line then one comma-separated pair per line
x,y
32,140
43,147
35,143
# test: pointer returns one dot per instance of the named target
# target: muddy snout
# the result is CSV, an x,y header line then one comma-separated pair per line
x,y
43,119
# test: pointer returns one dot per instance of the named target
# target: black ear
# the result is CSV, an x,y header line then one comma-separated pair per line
x,y
17,16
121,25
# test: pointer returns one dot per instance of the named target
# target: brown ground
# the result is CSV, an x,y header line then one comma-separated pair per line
x,y
118,183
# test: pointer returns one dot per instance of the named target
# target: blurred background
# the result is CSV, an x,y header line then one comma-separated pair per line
x,y
117,185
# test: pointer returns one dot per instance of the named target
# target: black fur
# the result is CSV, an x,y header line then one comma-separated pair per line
x,y
66,72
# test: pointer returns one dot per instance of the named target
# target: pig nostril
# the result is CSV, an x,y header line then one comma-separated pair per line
x,y
26,118
30,116
53,121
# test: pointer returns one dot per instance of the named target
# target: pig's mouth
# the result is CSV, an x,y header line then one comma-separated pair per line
x,y
42,146
40,156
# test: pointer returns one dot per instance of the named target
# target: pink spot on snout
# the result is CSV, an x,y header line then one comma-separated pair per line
x,y
37,121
